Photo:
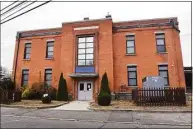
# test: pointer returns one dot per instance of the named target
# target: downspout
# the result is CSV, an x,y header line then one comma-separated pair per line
x,y
18,42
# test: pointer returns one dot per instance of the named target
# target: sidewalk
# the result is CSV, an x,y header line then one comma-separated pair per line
x,y
130,106
74,105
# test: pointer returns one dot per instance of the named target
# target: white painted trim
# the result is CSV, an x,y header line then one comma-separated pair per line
x,y
162,63
50,40
47,68
86,28
28,42
130,34
131,64
159,32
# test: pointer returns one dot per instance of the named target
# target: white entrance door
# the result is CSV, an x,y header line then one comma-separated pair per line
x,y
85,90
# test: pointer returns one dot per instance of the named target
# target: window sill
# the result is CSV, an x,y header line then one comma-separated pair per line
x,y
161,52
26,59
130,54
49,58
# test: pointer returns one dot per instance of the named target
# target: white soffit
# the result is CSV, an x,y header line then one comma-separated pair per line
x,y
86,28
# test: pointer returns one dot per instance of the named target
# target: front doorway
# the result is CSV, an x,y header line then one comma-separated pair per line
x,y
85,90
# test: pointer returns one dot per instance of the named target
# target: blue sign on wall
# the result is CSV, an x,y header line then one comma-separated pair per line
x,y
87,69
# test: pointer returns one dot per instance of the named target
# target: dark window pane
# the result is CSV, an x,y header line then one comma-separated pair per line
x,y
163,73
132,74
130,37
81,56
81,62
89,50
28,50
132,68
130,50
81,40
25,77
25,71
89,39
50,43
163,67
130,43
81,51
27,56
161,48
50,48
160,36
160,41
89,62
166,81
48,70
89,56
48,77
81,45
50,54
81,86
89,45
28,45
132,82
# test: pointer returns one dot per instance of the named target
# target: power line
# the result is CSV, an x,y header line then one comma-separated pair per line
x,y
19,10
9,5
22,2
26,11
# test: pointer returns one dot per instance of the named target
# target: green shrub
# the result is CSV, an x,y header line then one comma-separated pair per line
x,y
62,94
105,84
52,92
104,97
27,93
46,98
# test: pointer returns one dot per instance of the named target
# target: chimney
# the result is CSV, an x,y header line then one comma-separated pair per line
x,y
108,15
86,18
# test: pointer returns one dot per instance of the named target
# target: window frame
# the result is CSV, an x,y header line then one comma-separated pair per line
x,y
128,78
22,76
47,46
130,46
25,51
85,53
160,45
164,71
45,76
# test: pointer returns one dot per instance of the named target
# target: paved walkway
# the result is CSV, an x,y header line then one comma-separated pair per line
x,y
74,105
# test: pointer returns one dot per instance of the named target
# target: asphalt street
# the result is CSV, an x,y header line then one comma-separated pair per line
x,y
48,118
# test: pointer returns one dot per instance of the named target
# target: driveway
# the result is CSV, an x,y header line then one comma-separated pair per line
x,y
74,105
51,118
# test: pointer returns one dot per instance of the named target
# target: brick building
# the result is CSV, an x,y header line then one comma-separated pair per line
x,y
83,50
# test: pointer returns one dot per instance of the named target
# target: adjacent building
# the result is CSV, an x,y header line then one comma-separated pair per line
x,y
84,50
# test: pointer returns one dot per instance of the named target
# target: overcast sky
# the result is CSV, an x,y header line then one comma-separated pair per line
x,y
54,13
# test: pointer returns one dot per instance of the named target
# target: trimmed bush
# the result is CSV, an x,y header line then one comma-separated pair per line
x,y
105,84
62,94
46,98
104,97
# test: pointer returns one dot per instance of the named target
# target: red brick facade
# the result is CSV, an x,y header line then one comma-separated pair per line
x,y
109,52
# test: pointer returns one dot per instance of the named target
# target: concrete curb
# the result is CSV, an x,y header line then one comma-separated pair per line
x,y
31,107
133,110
